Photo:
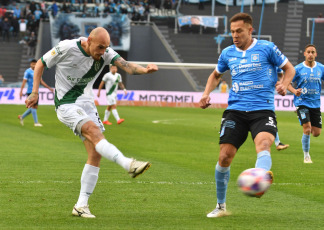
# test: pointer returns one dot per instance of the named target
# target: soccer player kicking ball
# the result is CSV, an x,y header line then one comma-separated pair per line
x,y
78,64
307,97
112,81
253,65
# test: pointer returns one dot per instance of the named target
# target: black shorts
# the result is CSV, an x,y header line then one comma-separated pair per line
x,y
29,94
236,125
312,115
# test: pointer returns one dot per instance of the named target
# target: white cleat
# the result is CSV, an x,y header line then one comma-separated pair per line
x,y
138,167
219,211
21,120
38,125
307,160
83,212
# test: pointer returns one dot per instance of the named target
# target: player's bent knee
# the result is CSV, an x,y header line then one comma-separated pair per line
x,y
91,131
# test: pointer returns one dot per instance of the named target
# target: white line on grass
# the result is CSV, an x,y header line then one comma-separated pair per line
x,y
149,182
166,122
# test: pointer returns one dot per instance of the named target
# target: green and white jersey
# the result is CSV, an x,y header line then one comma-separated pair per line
x,y
111,83
76,71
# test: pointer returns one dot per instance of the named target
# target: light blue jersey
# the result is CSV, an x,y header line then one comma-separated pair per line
x,y
254,75
29,76
310,81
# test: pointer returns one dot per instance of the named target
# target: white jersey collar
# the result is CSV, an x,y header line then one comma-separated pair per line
x,y
308,66
250,47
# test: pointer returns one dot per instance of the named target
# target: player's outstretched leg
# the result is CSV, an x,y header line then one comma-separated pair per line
x,y
109,151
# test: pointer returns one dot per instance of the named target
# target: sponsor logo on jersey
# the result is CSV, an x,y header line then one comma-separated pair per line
x,y
243,61
304,90
235,87
232,59
255,58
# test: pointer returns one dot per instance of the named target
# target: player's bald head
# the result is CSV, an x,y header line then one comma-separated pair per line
x,y
98,42
100,35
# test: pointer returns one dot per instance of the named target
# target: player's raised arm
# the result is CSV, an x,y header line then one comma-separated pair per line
x,y
212,82
38,72
134,69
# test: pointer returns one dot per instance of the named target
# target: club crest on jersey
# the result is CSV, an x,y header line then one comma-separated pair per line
x,y
255,58
97,65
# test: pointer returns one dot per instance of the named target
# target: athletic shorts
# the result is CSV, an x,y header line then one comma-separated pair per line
x,y
112,99
37,99
312,115
72,114
236,125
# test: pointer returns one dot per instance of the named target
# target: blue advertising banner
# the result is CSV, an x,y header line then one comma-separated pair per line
x,y
206,21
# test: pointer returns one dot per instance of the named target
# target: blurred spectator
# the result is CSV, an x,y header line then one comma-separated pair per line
x,y
38,14
223,87
167,4
3,11
66,7
201,5
31,43
84,9
22,28
5,25
32,7
15,26
54,9
17,12
32,24
43,6
1,80
97,10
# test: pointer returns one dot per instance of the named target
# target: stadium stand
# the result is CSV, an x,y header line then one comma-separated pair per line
x,y
287,27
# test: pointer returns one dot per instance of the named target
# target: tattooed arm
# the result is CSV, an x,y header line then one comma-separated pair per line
x,y
134,69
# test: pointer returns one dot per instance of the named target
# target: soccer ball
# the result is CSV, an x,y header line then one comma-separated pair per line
x,y
254,182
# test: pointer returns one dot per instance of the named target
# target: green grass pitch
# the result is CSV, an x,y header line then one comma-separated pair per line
x,y
40,170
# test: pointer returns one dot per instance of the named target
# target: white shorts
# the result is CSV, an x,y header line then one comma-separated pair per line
x,y
112,99
73,114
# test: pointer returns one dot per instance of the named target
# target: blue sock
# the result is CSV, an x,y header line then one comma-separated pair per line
x,y
277,140
222,175
34,113
26,113
264,160
306,142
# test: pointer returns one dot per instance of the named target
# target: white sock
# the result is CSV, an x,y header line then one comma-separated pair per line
x,y
109,151
306,154
107,114
89,180
115,113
